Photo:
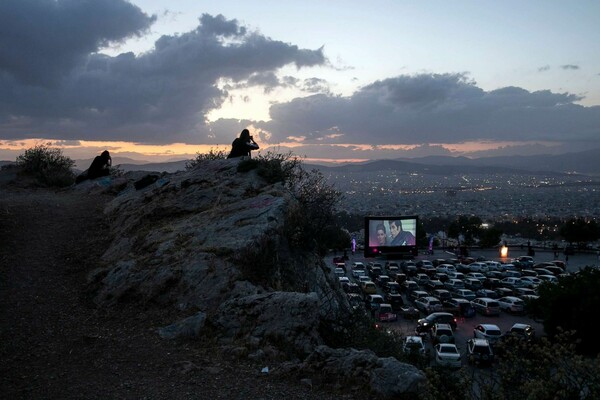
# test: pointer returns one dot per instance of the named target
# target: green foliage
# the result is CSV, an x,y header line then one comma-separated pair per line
x,y
47,165
273,167
580,231
360,331
309,220
201,157
571,305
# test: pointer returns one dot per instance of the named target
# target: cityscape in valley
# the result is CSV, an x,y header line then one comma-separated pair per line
x,y
491,196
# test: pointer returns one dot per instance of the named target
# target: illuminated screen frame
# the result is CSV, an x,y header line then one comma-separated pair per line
x,y
379,241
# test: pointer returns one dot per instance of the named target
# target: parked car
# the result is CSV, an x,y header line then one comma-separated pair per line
x,y
441,294
523,262
493,265
467,294
478,267
447,355
459,307
373,301
490,332
339,272
414,345
511,282
504,291
479,352
454,284
486,293
432,284
385,313
511,304
442,333
368,287
395,300
391,287
409,267
422,278
486,306
456,275
477,275
409,286
428,304
473,284
425,324
523,331
381,280
445,268
524,291
351,287
416,294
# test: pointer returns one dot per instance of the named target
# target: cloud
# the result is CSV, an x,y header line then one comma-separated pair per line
x,y
434,108
544,68
161,96
570,66
41,41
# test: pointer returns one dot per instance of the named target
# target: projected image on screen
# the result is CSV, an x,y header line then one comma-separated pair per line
x,y
387,235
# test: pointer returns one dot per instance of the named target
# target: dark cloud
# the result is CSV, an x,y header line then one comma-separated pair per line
x,y
544,68
41,41
161,96
434,108
570,66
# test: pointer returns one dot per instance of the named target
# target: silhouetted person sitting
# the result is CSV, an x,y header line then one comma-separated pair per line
x,y
100,167
243,145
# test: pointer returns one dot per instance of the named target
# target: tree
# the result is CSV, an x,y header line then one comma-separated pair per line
x,y
47,165
580,231
571,305
489,237
468,227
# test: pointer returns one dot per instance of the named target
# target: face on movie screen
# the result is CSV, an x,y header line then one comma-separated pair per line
x,y
392,232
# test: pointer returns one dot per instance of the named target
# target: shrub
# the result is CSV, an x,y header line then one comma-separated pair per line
x,y
47,165
273,167
200,157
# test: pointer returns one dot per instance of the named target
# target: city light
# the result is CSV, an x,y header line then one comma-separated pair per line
x,y
504,251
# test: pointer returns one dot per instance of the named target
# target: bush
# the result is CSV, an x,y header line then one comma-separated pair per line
x,y
47,165
273,167
200,157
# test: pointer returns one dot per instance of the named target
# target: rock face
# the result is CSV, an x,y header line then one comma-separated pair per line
x,y
209,240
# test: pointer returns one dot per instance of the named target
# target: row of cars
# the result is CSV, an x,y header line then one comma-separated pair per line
x,y
480,350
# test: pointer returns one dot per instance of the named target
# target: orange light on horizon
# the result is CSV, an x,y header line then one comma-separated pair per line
x,y
504,251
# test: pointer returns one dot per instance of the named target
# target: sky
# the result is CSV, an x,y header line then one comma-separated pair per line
x,y
337,81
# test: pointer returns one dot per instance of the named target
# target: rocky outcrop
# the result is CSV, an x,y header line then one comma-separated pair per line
x,y
209,241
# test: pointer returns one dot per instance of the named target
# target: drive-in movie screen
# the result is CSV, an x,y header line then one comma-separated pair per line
x,y
390,236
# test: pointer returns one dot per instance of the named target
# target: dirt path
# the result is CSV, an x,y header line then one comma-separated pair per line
x,y
54,344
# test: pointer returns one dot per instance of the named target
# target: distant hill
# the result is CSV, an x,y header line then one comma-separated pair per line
x,y
584,162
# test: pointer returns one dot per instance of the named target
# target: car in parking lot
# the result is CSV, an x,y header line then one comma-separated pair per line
x,y
491,332
531,282
441,294
428,304
511,304
442,333
368,287
511,282
464,294
548,278
453,284
385,313
395,300
459,307
486,306
476,275
479,266
486,293
524,331
473,284
479,352
447,355
523,291
416,294
373,301
414,345
425,324
409,286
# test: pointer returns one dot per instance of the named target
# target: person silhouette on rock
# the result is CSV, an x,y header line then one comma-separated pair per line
x,y
99,167
243,145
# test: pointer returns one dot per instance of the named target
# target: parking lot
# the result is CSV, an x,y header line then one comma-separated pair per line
x,y
465,326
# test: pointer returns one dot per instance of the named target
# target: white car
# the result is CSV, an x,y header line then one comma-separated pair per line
x,y
476,275
478,267
490,332
531,282
548,278
344,279
493,265
339,271
446,354
511,282
511,304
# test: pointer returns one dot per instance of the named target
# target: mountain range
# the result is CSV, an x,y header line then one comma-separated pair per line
x,y
585,163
